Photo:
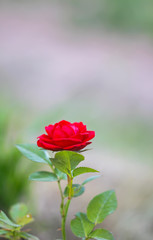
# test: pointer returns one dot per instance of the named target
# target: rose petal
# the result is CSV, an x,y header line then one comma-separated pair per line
x,y
68,130
63,142
58,133
48,146
63,122
77,147
45,138
91,134
80,126
81,136
49,130
66,142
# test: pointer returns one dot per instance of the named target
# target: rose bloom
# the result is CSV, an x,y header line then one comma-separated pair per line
x,y
65,136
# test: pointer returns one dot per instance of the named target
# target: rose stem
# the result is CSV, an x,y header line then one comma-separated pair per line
x,y
64,218
66,207
62,196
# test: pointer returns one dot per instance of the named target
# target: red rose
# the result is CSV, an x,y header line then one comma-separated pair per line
x,y
65,136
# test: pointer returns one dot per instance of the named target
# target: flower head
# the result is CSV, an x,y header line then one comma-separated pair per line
x,y
65,136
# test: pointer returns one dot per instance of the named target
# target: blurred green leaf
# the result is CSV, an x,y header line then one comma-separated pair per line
x,y
11,164
60,175
77,190
43,176
28,236
18,211
5,226
26,220
90,179
4,219
101,234
101,206
81,226
81,170
34,153
3,232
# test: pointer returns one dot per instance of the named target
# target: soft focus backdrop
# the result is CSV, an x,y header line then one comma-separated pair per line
x,y
89,61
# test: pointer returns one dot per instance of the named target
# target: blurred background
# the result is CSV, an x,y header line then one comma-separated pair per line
x,y
89,61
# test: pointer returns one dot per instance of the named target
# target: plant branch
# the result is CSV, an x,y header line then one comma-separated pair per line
x,y
61,193
70,182
66,207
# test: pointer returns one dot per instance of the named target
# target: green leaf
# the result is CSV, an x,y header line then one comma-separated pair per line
x,y
81,170
77,190
18,211
101,234
3,232
81,226
61,162
34,153
90,179
6,221
26,220
5,226
66,161
101,206
75,159
43,176
26,235
60,175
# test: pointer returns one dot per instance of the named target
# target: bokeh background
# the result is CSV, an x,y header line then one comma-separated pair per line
x,y
80,60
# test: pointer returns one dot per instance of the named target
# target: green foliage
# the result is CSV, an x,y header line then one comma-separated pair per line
x,y
12,229
77,190
101,206
6,222
13,171
43,176
81,170
101,234
81,226
90,179
20,214
128,15
34,153
60,175
64,165
3,232
98,209
28,236
18,211
66,161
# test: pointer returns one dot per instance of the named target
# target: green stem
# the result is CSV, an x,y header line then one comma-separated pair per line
x,y
66,207
70,182
64,218
15,236
62,198
61,193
